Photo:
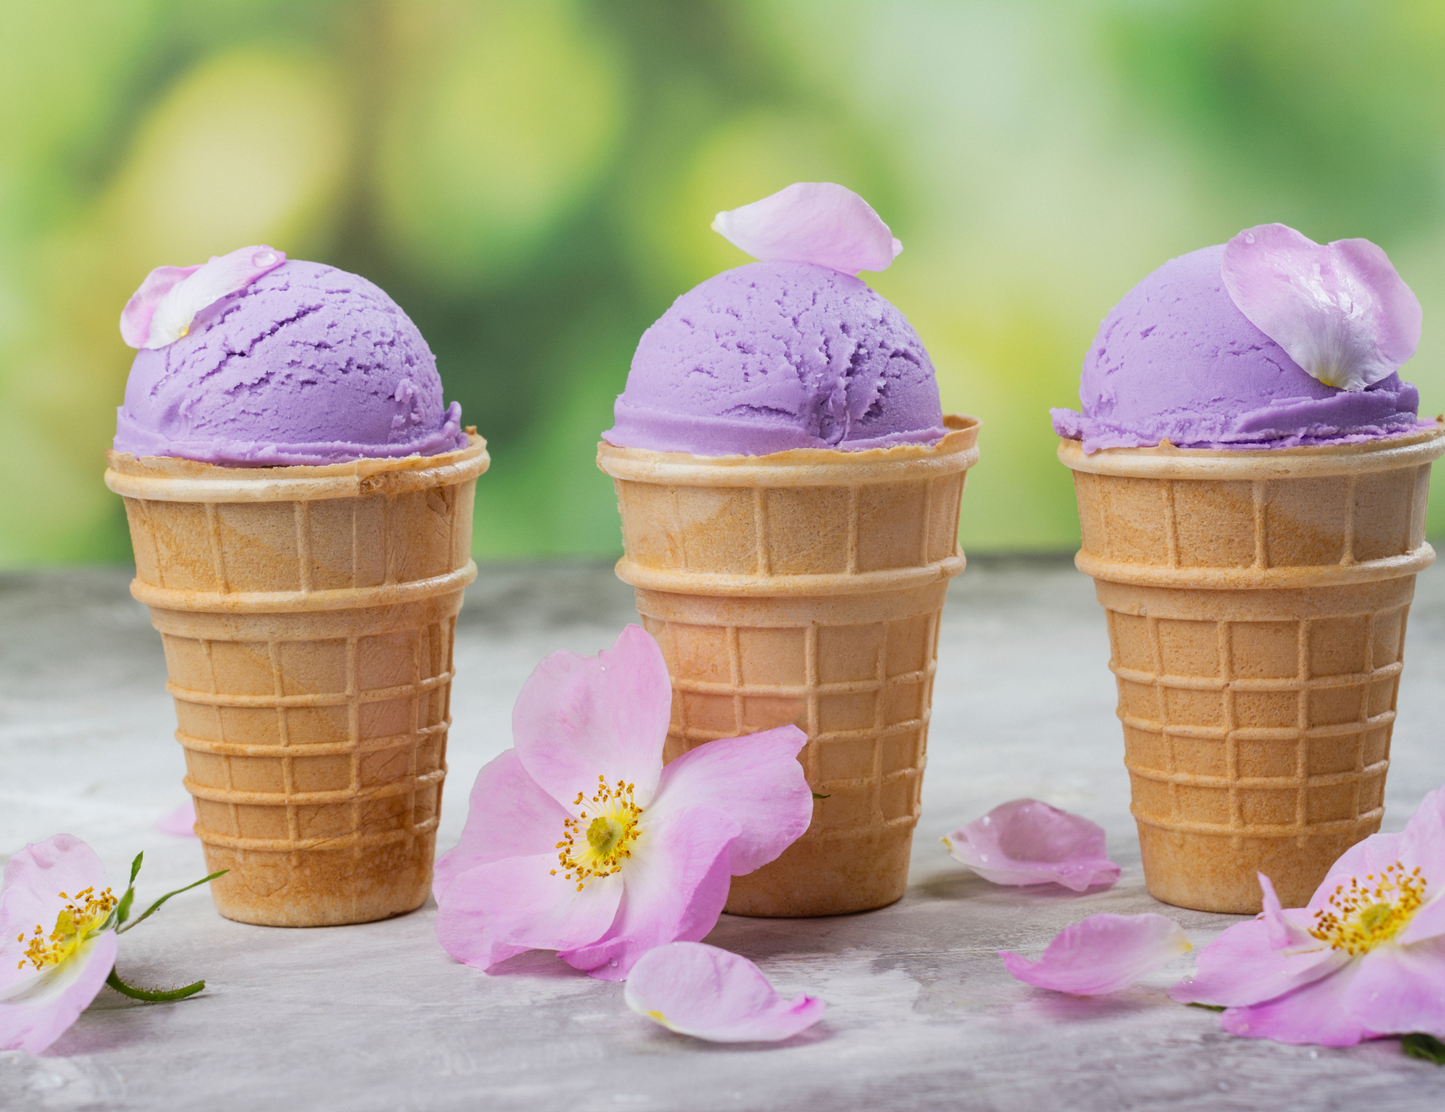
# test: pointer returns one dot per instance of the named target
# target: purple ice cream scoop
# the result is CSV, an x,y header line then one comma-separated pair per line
x,y
1176,360
306,365
778,355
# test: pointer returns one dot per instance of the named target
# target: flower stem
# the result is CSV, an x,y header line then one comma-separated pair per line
x,y
154,996
155,906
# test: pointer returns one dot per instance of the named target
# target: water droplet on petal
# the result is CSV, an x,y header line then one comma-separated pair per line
x,y
263,258
1248,237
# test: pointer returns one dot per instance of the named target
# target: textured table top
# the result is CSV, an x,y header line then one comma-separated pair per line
x,y
921,1013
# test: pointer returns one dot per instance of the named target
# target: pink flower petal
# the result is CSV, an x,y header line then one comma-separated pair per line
x,y
676,884
1283,931
715,995
757,779
495,910
1314,1014
1373,855
161,311
509,815
34,879
180,823
1427,924
812,222
1399,989
135,318
580,717
1422,846
1025,841
1340,310
1103,954
37,1010
1242,967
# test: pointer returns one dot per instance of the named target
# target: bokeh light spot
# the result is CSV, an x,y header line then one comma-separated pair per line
x,y
249,147
501,126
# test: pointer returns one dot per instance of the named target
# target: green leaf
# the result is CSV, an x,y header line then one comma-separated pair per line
x,y
156,906
122,911
1209,1007
152,996
1425,1047
817,796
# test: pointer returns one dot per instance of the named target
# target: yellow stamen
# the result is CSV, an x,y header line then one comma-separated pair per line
x,y
77,921
610,819
1359,917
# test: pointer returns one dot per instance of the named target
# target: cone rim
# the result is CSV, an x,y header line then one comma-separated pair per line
x,y
173,479
956,451
1168,461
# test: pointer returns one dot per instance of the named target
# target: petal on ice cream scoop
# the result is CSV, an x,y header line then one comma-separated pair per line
x,y
1339,309
161,311
812,222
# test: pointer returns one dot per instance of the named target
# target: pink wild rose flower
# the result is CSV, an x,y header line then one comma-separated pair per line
x,y
48,976
579,840
1365,958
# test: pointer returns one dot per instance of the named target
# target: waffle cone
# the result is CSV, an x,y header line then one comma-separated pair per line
x,y
308,615
804,587
1256,603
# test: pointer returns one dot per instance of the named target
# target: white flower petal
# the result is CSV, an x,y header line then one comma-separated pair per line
x,y
161,311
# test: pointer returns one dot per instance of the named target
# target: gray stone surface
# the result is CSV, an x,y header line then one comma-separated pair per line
x,y
921,1013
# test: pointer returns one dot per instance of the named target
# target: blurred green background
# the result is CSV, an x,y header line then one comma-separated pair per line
x,y
533,182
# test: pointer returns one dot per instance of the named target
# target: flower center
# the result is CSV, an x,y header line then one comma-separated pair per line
x,y
604,834
78,920
610,822
1359,918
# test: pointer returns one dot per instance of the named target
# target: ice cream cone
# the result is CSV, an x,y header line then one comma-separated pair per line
x,y
805,587
308,615
1256,603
